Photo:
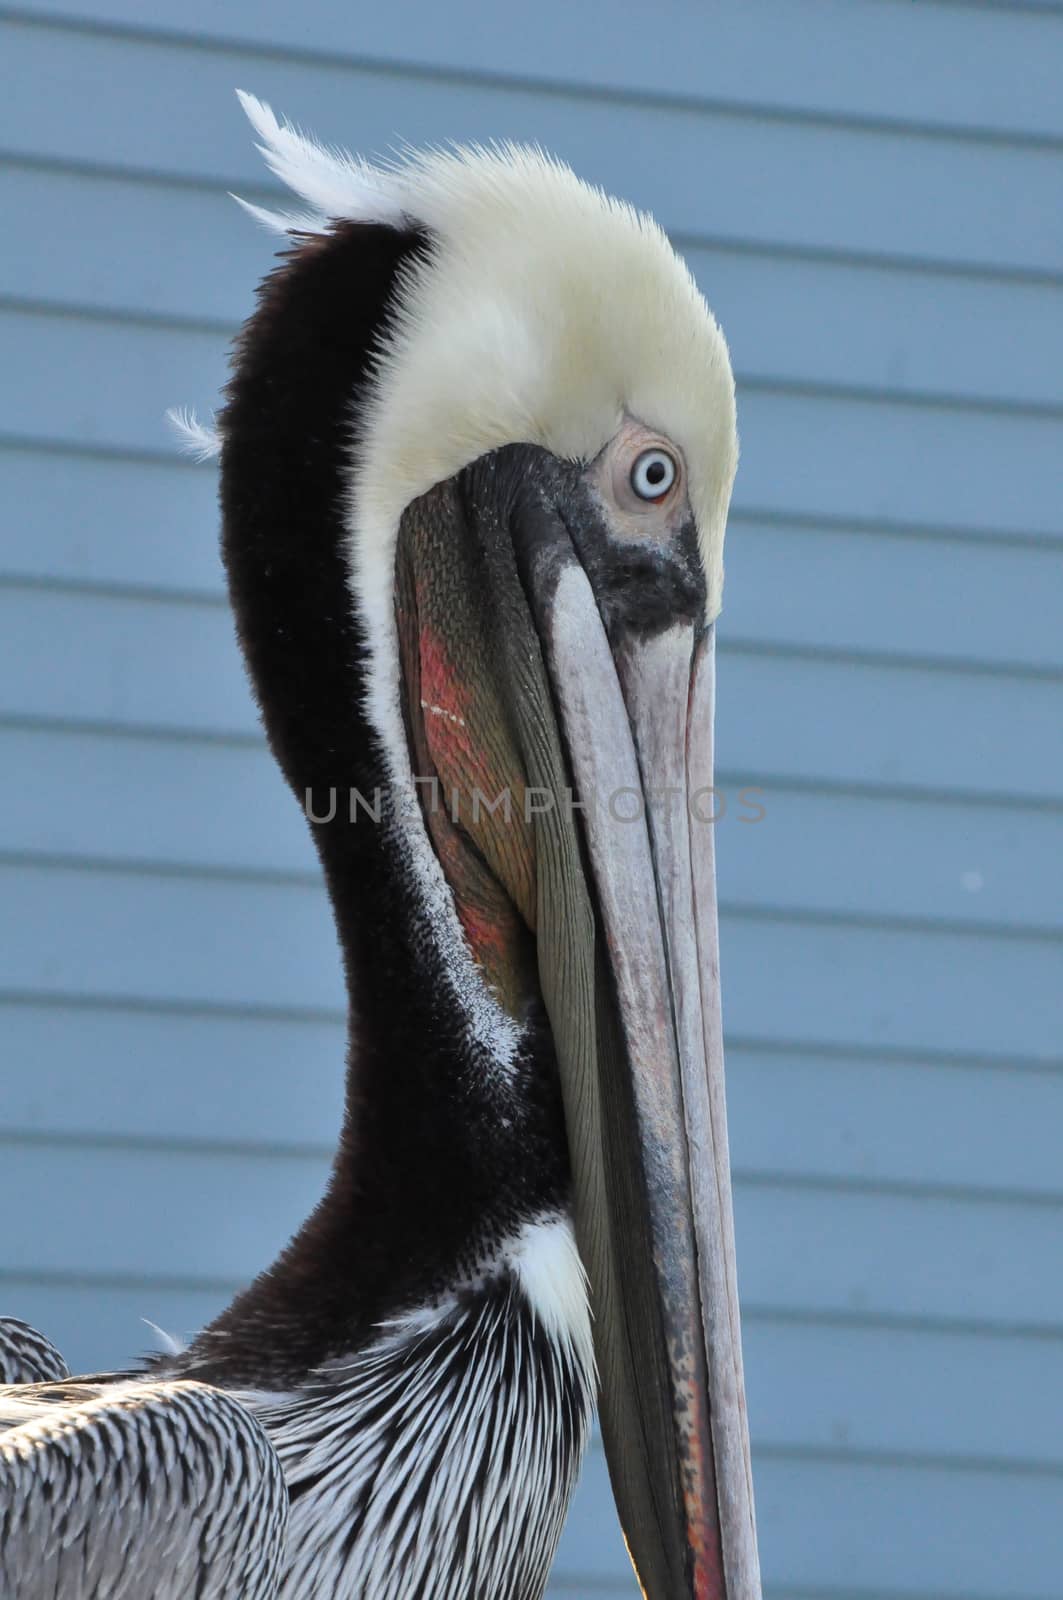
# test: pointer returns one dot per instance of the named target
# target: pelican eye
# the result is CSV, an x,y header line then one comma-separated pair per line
x,y
653,474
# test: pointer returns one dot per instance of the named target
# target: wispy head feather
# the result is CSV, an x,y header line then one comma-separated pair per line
x,y
194,437
335,184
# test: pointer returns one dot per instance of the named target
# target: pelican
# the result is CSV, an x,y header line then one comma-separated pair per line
x,y
476,458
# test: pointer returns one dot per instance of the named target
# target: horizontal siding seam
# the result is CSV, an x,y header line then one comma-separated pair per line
x,y
877,394
1033,8
46,862
783,250
764,778
897,1188
852,526
901,660
15,1277
49,1277
931,1461
908,793
199,871
889,922
166,1006
857,1591
120,319
766,1449
143,455
744,1178
107,589
87,449
878,1055
757,1313
189,871
119,316
112,589
857,1052
221,1149
881,528
251,740
561,89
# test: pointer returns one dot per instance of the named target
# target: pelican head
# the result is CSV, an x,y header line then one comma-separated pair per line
x,y
476,464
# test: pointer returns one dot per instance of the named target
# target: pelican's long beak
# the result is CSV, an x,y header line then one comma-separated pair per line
x,y
614,721
654,1218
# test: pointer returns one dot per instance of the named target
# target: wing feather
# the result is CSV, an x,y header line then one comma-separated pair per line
x,y
26,1356
132,1488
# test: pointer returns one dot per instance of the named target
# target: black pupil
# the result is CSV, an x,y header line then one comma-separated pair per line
x,y
656,472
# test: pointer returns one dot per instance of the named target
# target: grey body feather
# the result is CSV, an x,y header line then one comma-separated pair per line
x,y
130,1489
26,1356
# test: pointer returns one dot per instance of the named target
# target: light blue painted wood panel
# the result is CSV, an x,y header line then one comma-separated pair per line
x,y
857,855
179,1077
962,599
106,383
908,1529
148,248
179,1215
923,465
103,1326
588,1543
896,724
702,171
948,1258
569,1586
135,937
173,1077
168,251
127,799
892,989
905,1392
175,802
81,518
77,933
131,662
932,64
84,518
832,1528
916,1123
781,716
816,1249
896,329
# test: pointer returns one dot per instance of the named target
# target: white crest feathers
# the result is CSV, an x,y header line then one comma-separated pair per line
x,y
332,182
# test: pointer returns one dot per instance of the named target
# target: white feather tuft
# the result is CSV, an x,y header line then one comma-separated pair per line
x,y
334,183
282,221
194,437
547,1263
168,1342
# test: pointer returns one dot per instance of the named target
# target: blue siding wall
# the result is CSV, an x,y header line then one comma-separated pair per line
x,y
871,194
